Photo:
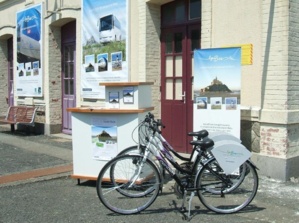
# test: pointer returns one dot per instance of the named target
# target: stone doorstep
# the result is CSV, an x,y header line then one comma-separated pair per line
x,y
35,173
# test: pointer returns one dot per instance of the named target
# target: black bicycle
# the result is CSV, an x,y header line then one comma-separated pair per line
x,y
130,183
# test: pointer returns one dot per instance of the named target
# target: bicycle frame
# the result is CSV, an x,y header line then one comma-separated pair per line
x,y
168,147
160,148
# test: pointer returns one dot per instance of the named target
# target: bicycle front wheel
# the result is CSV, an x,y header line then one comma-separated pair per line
x,y
132,150
226,193
128,185
135,150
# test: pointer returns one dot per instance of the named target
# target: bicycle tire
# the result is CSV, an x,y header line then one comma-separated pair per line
x,y
226,196
125,192
132,150
235,179
119,192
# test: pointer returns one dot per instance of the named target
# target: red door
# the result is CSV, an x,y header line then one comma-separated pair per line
x,y
174,89
180,35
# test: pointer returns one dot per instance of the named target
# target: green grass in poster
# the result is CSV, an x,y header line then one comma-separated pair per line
x,y
97,48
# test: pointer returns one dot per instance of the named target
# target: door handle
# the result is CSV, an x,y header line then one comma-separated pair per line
x,y
184,97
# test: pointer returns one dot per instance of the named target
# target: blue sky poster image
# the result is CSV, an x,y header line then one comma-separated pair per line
x,y
29,51
104,36
217,90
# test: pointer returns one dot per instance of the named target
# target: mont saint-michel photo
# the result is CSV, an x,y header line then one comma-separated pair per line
x,y
217,73
218,88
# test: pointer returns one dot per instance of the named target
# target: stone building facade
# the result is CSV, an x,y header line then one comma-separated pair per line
x,y
269,86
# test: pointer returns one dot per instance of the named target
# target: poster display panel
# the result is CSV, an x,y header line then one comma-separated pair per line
x,y
29,76
104,138
104,45
217,88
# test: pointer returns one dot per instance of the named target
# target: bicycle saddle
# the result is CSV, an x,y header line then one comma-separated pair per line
x,y
203,144
199,134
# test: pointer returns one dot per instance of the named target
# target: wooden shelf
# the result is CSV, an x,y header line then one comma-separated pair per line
x,y
124,84
109,111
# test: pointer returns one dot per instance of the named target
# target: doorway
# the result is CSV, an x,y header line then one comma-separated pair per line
x,y
180,36
10,98
68,37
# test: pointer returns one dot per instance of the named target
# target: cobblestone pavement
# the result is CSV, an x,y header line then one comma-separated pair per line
x,y
58,198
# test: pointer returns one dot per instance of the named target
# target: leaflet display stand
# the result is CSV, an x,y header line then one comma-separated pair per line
x,y
126,106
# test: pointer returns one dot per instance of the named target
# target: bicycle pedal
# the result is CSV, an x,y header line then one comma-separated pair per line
x,y
160,190
183,209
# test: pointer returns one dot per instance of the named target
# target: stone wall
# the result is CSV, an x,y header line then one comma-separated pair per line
x,y
3,77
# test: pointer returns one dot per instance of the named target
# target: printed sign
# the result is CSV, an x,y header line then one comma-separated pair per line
x,y
104,138
217,88
104,45
29,77
230,155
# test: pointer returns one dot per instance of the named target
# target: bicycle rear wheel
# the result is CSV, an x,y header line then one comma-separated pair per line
x,y
224,193
128,185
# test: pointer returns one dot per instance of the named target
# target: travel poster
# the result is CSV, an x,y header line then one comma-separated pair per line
x,y
217,88
29,78
104,45
104,138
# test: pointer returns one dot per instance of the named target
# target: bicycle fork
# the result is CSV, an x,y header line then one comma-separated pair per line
x,y
138,170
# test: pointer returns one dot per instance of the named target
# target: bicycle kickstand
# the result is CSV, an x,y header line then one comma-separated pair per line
x,y
190,200
183,209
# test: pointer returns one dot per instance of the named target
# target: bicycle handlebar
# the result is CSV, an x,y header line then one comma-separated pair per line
x,y
154,124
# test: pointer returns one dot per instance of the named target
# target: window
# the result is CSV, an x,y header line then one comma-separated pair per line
x,y
180,11
194,9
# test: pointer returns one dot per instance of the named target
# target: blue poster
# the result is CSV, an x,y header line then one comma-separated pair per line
x,y
217,90
104,45
29,78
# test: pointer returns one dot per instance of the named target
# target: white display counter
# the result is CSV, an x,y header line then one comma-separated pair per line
x,y
98,134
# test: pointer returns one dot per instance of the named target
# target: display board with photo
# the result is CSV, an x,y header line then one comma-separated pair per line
x,y
217,90
104,36
29,42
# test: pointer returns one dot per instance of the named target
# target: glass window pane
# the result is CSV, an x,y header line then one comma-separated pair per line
x,y
167,13
180,12
66,87
169,67
178,89
178,66
66,54
66,70
195,39
71,53
168,43
178,37
71,87
71,66
169,89
195,9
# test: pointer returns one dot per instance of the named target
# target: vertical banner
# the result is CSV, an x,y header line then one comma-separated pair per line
x,y
217,88
104,45
29,77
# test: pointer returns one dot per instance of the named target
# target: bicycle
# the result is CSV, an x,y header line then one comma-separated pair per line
x,y
187,161
139,149
129,184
